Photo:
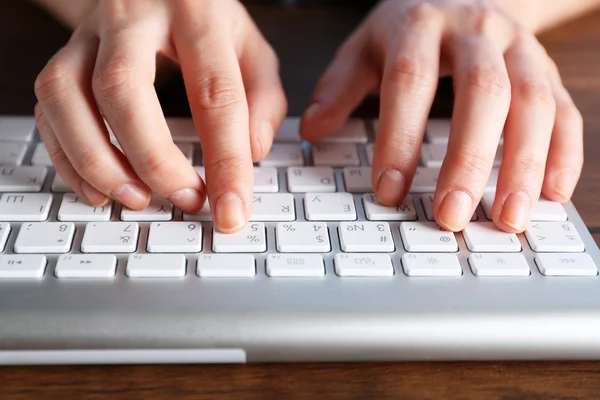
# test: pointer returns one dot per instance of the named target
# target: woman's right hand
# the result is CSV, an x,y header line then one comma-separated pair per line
x,y
107,70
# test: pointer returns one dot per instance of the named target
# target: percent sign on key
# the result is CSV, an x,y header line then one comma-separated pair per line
x,y
289,228
253,239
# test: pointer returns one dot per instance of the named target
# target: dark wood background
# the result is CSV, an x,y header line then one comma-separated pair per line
x,y
305,39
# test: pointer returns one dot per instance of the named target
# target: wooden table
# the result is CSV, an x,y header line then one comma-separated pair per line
x,y
28,38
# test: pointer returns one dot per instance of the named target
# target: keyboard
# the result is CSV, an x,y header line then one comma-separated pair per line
x,y
323,271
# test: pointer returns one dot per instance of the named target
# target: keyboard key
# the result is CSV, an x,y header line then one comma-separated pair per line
x,y
365,237
310,179
4,232
12,153
25,206
370,150
554,237
159,209
302,237
22,178
358,179
265,180
45,237
295,265
73,208
175,237
273,207
368,265
226,266
438,131
329,207
18,266
187,149
59,185
433,264
86,266
182,129
427,237
566,264
17,129
251,239
375,211
425,180
427,201
433,154
499,264
335,155
289,131
353,131
284,155
156,266
486,237
41,156
203,215
110,237
545,210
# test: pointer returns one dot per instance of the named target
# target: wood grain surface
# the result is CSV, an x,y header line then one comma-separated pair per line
x,y
28,38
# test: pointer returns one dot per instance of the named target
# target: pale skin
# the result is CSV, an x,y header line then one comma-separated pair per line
x,y
502,75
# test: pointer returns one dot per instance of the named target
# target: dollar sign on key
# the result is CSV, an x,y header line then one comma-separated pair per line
x,y
320,239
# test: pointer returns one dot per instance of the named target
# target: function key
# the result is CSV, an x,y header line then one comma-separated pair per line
x,y
566,264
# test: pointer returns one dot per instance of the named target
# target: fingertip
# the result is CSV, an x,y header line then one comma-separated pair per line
x,y
455,211
561,187
229,215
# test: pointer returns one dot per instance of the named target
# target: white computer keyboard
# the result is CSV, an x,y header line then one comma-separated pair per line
x,y
314,217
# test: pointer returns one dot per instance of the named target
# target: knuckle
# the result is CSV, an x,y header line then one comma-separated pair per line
x,y
409,71
52,81
484,18
534,92
156,165
423,12
227,165
56,154
473,163
567,111
115,79
532,165
218,92
488,81
89,164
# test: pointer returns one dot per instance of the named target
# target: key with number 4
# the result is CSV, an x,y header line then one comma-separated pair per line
x,y
302,237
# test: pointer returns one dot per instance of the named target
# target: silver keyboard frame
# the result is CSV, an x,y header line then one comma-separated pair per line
x,y
263,319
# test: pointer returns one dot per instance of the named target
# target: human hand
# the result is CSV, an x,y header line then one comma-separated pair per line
x,y
107,70
503,78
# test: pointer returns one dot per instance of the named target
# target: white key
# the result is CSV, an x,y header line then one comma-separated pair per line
x,y
375,211
17,129
302,237
45,237
363,265
284,155
427,201
427,237
273,207
175,237
226,266
335,155
41,156
554,237
568,264
159,209
4,232
17,266
156,266
353,131
329,207
438,131
12,153
486,237
433,264
187,149
204,215
358,179
289,130
499,264
73,208
110,237
370,150
59,185
86,266
22,178
25,206
310,179
433,154
182,129
295,265
364,237
251,239
545,210
425,180
265,180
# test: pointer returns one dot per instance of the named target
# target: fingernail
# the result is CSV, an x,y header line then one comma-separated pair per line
x,y
229,213
390,186
93,196
515,211
132,195
456,210
563,184
189,200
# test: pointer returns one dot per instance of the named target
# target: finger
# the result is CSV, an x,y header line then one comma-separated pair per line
x,y
266,99
526,136
217,98
345,83
63,165
565,157
407,91
64,92
123,87
482,101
